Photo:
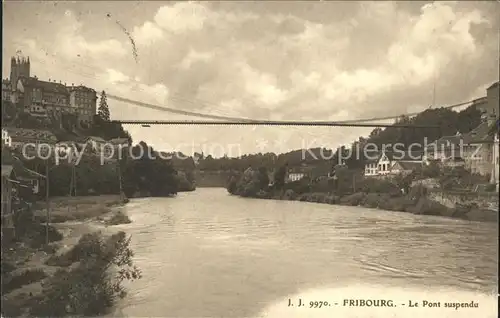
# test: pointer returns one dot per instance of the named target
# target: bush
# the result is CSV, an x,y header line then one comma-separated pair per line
x,y
300,186
38,236
289,195
10,283
118,218
232,186
89,289
353,199
372,200
418,191
323,185
401,204
375,185
332,199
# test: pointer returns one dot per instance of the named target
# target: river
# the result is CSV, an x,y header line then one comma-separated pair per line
x,y
209,254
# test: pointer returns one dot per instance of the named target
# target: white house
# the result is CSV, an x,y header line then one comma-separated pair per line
x,y
384,165
371,168
298,173
294,176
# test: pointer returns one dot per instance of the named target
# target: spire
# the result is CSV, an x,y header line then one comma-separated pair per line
x,y
13,60
28,60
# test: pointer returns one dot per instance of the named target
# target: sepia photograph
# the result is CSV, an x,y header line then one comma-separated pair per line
x,y
250,159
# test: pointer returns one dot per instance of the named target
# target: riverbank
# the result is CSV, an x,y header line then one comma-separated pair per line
x,y
84,208
415,202
34,273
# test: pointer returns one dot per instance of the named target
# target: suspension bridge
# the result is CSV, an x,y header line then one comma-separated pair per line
x,y
236,121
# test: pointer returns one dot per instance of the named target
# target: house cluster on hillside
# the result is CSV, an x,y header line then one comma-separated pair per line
x,y
46,99
36,142
477,150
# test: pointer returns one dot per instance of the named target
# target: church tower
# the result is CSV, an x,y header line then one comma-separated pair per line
x,y
18,67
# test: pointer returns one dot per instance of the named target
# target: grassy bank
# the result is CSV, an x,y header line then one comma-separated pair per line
x,y
72,275
64,209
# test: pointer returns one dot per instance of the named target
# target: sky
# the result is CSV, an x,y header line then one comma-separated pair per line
x,y
276,60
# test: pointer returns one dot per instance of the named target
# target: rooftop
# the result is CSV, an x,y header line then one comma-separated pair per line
x,y
80,88
484,133
23,133
481,133
46,86
409,165
400,155
446,141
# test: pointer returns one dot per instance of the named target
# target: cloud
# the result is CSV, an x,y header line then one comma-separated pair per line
x,y
261,85
194,56
115,77
183,17
147,33
72,44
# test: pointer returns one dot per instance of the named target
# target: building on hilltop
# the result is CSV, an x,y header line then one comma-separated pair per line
x,y
83,100
485,160
38,98
479,146
45,98
19,67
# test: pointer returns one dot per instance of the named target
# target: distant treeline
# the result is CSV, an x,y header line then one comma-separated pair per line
x,y
449,122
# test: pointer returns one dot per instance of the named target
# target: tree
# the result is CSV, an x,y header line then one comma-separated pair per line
x,y
279,176
103,110
263,177
143,174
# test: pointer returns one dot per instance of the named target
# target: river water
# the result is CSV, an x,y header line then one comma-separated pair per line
x,y
209,254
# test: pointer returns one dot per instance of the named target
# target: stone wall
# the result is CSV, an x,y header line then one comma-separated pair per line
x,y
485,200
